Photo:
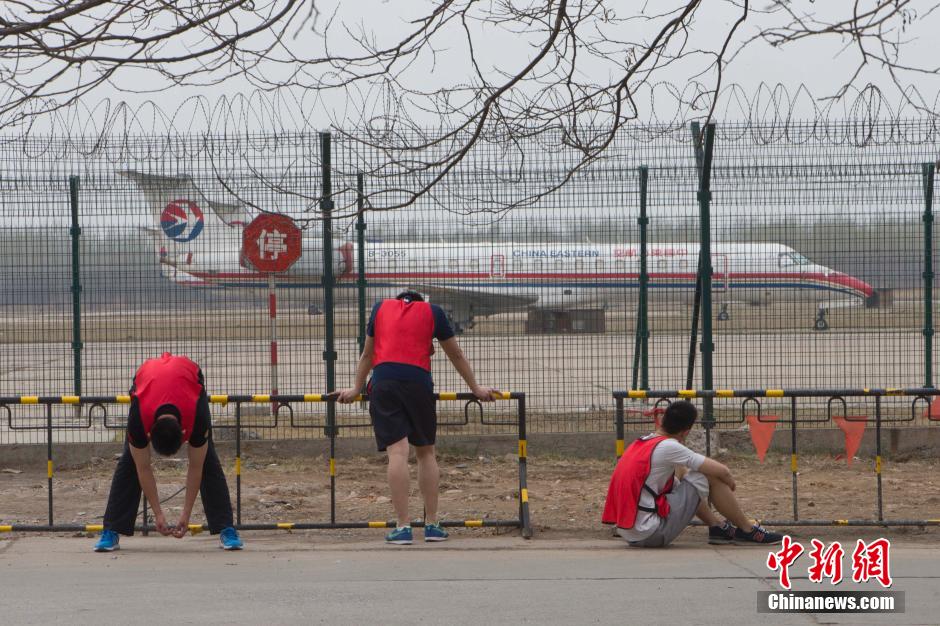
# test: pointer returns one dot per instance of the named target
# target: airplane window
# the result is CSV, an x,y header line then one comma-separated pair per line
x,y
788,259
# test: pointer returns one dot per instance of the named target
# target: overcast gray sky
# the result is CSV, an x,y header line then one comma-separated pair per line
x,y
822,64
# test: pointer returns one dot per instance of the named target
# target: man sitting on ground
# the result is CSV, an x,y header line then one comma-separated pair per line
x,y
651,501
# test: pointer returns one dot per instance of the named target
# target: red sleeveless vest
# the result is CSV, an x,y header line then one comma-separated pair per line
x,y
168,380
403,333
629,481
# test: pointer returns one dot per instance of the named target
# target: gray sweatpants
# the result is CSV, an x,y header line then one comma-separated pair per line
x,y
683,501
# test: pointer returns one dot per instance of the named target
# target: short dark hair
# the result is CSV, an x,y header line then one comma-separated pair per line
x,y
679,416
166,435
410,296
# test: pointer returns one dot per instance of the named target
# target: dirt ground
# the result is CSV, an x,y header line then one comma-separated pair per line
x,y
566,494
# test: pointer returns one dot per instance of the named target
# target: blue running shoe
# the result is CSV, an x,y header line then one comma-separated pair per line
x,y
230,540
108,541
401,536
434,532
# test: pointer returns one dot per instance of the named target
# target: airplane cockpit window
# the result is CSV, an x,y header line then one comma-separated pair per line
x,y
790,259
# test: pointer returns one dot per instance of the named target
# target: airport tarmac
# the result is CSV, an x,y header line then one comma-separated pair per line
x,y
569,377
301,578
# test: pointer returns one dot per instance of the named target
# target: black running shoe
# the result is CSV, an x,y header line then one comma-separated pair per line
x,y
721,535
758,534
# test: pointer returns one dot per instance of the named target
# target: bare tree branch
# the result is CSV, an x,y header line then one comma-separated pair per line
x,y
569,72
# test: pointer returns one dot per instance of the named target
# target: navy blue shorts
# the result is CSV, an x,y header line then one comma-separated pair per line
x,y
402,408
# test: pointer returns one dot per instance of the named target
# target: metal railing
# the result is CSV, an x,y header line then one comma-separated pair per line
x,y
751,405
330,427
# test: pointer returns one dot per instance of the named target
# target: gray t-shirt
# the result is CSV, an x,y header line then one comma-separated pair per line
x,y
668,455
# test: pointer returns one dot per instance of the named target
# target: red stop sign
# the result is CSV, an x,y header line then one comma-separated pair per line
x,y
271,242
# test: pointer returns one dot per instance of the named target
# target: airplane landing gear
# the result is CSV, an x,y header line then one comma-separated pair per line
x,y
820,324
464,324
723,315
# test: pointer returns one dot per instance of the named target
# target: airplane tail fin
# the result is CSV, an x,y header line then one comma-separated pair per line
x,y
188,227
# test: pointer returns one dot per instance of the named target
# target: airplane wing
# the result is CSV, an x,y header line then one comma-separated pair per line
x,y
182,277
480,301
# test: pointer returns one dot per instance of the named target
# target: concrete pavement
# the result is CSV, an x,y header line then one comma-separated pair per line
x,y
301,578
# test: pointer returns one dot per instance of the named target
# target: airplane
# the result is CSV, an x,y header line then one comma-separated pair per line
x,y
199,244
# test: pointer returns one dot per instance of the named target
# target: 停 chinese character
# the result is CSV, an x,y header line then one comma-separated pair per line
x,y
272,244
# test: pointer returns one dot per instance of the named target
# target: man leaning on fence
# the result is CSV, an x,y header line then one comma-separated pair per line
x,y
398,351
169,407
659,485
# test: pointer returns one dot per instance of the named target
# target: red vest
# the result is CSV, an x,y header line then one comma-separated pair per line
x,y
168,380
629,481
403,333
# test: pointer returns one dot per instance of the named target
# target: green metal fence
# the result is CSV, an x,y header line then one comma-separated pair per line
x,y
820,239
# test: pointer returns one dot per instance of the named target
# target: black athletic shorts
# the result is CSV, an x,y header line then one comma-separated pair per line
x,y
402,408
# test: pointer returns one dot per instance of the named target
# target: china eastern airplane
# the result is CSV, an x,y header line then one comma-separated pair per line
x,y
199,243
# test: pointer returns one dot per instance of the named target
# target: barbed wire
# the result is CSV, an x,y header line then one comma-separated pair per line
x,y
262,122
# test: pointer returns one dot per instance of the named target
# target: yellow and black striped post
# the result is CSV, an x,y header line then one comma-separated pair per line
x,y
238,463
793,460
619,425
49,457
523,462
878,457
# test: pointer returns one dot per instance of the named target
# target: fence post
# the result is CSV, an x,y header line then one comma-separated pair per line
x,y
49,458
75,231
704,199
881,515
361,259
329,348
928,177
641,346
238,461
794,469
697,300
704,145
